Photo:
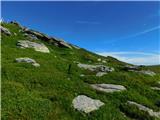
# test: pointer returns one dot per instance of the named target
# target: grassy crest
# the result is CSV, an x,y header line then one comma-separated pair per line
x,y
46,93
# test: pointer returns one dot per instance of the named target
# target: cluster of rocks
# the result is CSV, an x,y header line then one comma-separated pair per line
x,y
145,109
156,88
137,69
87,104
27,60
36,46
5,31
100,69
52,40
100,60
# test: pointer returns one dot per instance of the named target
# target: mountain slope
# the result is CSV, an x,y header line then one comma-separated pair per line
x,y
47,92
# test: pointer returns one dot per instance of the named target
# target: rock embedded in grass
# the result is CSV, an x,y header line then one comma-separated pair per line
x,y
99,74
5,30
155,88
86,104
145,109
37,46
96,68
27,60
108,88
147,72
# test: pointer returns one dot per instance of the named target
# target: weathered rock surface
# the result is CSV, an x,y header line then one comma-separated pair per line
x,y
37,46
30,36
147,72
52,40
155,88
86,104
64,44
145,109
27,60
97,68
131,68
99,74
108,87
5,31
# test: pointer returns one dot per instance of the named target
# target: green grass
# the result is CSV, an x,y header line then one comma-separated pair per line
x,y
46,93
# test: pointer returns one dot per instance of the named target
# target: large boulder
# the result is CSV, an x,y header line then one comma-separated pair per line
x,y
37,46
86,104
108,87
145,109
64,44
27,60
5,30
131,67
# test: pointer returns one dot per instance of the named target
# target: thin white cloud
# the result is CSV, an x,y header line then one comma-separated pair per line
x,y
137,58
140,33
88,22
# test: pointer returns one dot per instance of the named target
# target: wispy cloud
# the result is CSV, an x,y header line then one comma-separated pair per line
x,y
87,22
141,33
137,58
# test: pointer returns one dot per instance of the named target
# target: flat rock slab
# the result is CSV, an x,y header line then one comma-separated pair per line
x,y
155,88
147,72
27,60
97,68
145,109
99,74
37,46
86,104
108,88
5,30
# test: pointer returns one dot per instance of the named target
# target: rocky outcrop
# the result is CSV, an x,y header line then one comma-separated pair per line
x,y
30,36
86,104
27,60
5,30
108,88
52,40
37,46
17,24
131,67
98,68
145,109
64,44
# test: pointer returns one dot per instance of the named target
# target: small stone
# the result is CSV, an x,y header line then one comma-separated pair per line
x,y
82,75
27,60
99,59
86,104
104,61
99,74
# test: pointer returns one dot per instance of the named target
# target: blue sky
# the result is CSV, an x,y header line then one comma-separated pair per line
x,y
128,31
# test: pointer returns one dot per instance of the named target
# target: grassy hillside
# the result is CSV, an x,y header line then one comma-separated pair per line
x,y
46,92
